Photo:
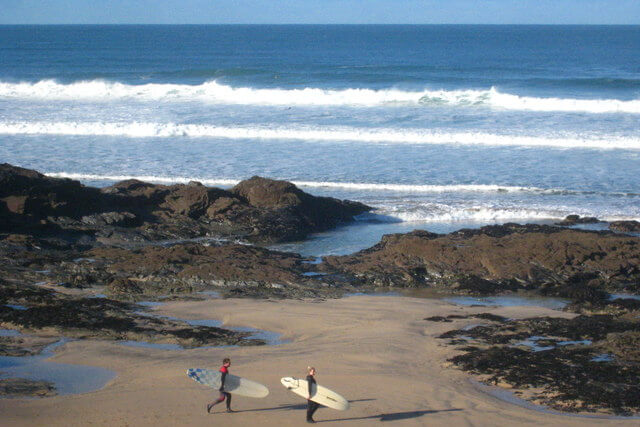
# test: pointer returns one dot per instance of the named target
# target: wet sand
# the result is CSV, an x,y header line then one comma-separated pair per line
x,y
377,351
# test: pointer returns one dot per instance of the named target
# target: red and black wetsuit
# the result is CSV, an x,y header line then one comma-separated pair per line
x,y
224,394
312,406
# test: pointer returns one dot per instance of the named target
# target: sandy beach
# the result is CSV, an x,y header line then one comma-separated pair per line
x,y
375,350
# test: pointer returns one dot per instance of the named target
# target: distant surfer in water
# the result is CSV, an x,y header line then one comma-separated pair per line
x,y
311,405
226,362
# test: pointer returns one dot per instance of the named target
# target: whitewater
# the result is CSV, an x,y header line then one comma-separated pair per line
x,y
384,135
434,127
214,92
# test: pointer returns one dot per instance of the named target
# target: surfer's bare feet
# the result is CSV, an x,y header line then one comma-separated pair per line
x,y
209,406
230,410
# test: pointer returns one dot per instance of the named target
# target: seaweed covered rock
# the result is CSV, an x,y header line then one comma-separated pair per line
x,y
230,269
219,265
564,379
625,226
624,345
317,213
102,318
20,387
27,192
20,346
492,259
258,209
571,220
588,363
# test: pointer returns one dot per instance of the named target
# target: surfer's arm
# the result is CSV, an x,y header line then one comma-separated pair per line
x,y
309,382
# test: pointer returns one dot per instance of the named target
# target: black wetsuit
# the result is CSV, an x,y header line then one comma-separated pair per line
x,y
311,405
224,394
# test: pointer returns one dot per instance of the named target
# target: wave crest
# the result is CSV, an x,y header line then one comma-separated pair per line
x,y
438,212
336,134
214,92
354,186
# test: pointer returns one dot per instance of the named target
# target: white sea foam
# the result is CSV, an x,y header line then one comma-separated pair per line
x,y
355,186
412,188
439,212
335,134
213,92
443,213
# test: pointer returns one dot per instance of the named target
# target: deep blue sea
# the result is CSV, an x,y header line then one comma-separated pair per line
x,y
437,127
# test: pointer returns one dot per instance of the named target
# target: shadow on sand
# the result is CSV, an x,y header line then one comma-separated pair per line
x,y
293,407
396,416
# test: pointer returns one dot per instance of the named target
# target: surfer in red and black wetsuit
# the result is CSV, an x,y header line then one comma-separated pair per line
x,y
223,394
311,405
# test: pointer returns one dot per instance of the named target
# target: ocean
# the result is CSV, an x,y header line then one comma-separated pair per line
x,y
437,127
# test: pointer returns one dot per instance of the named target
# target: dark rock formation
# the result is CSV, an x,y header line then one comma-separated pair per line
x,y
35,196
625,226
485,316
20,387
615,307
21,346
102,318
314,213
258,209
577,219
570,379
492,259
121,219
153,271
623,345
187,268
589,363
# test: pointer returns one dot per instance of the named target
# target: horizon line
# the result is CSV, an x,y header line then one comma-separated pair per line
x,y
322,24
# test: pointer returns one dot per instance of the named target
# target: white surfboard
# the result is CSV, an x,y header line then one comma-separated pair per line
x,y
319,394
232,384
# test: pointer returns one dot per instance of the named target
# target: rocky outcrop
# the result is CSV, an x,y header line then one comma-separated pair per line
x,y
21,346
188,268
29,193
258,209
623,345
571,220
20,387
56,314
155,271
625,226
551,260
315,213
588,363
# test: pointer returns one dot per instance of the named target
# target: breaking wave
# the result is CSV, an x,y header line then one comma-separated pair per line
x,y
409,188
214,92
438,212
347,186
336,134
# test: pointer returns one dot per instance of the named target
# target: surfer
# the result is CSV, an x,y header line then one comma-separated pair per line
x,y
311,405
226,362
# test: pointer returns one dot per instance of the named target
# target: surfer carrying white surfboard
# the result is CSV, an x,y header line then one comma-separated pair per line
x,y
224,369
312,406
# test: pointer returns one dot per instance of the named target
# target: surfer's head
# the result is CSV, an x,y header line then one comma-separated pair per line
x,y
226,361
311,370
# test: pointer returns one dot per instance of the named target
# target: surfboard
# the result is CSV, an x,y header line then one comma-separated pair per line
x,y
232,384
319,394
